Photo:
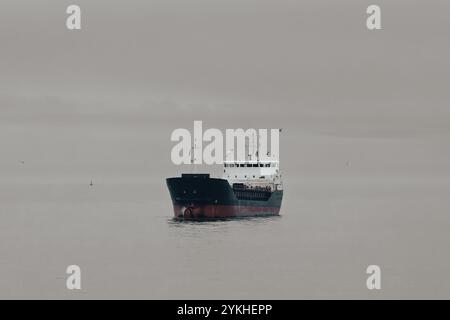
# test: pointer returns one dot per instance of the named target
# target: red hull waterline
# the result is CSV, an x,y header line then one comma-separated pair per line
x,y
222,211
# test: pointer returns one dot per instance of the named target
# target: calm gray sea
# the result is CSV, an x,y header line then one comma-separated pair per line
x,y
123,238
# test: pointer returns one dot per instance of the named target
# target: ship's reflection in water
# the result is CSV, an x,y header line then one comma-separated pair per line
x,y
200,228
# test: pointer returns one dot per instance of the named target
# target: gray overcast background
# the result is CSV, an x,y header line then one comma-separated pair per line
x,y
365,146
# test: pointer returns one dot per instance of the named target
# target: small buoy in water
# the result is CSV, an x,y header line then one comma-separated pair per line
x,y
92,184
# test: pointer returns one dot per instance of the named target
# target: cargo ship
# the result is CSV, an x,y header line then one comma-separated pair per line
x,y
247,189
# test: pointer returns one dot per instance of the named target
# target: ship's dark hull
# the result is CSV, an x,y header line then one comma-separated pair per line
x,y
202,197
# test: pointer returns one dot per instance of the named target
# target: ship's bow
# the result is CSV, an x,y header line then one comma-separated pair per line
x,y
197,196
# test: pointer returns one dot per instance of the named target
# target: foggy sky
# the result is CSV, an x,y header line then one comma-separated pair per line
x,y
311,67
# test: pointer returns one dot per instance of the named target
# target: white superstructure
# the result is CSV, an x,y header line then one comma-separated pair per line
x,y
254,173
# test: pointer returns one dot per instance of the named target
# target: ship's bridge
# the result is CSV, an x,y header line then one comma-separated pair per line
x,y
253,172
